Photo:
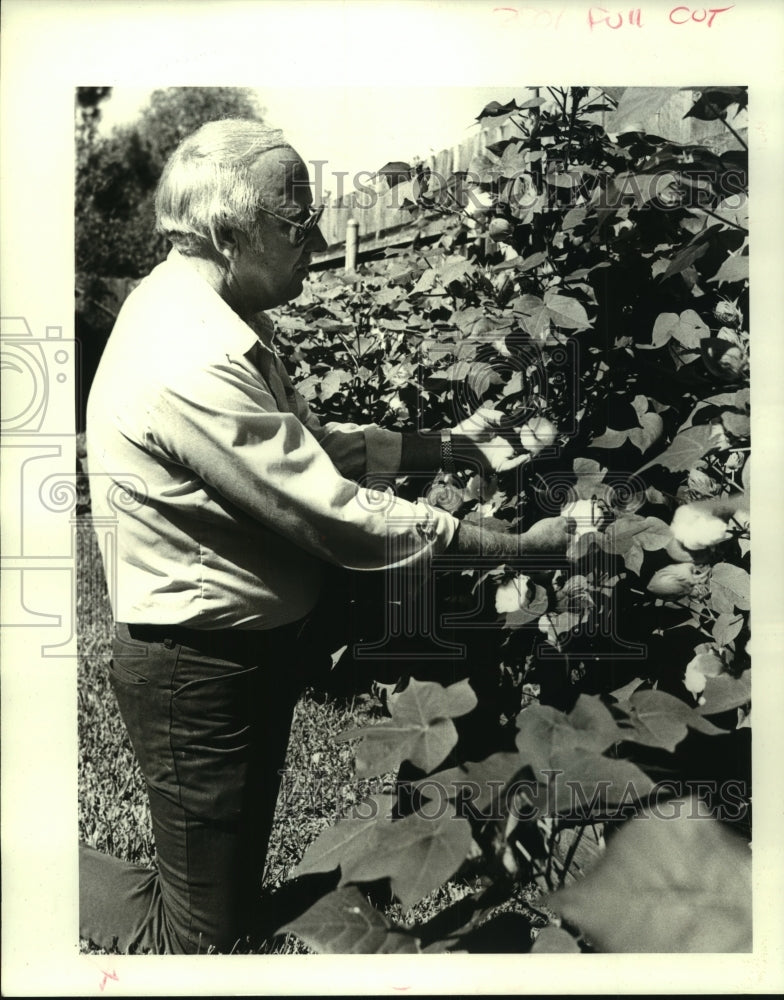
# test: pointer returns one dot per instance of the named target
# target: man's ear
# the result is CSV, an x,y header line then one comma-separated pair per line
x,y
226,241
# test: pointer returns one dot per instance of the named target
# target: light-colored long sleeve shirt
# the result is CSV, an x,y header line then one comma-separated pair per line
x,y
237,496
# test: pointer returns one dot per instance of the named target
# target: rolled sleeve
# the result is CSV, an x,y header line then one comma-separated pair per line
x,y
355,449
360,449
384,449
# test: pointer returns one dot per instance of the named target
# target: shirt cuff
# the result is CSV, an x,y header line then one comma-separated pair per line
x,y
383,449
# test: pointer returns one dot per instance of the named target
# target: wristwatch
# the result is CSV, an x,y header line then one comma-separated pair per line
x,y
447,457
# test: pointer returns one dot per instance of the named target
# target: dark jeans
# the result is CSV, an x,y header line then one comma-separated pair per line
x,y
208,714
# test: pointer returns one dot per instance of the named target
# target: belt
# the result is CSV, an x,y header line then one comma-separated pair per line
x,y
215,641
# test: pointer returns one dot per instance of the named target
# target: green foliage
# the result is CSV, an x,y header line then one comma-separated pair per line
x,y
598,281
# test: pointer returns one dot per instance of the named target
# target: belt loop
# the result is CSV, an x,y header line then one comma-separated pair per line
x,y
169,643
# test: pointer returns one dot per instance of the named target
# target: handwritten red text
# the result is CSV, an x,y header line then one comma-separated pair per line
x,y
106,977
697,15
532,17
615,19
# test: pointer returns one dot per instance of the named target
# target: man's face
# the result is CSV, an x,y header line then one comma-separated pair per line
x,y
270,270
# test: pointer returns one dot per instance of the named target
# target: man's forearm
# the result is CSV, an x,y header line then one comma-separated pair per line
x,y
470,539
549,536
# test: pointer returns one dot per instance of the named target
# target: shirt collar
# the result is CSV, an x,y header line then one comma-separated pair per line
x,y
236,334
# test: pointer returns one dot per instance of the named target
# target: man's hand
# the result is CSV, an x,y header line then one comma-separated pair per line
x,y
550,535
477,437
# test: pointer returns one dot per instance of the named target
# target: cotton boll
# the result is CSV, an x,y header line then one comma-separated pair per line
x,y
588,515
539,433
676,580
697,528
512,595
699,669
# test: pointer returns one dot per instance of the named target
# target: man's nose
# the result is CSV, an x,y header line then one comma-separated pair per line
x,y
316,241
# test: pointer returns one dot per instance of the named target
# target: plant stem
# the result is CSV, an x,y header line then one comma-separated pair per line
x,y
737,136
560,101
690,607
572,117
349,351
727,222
548,872
571,853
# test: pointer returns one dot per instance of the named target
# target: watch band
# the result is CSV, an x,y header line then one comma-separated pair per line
x,y
447,456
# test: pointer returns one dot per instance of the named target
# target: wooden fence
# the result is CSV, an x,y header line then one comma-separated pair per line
x,y
378,208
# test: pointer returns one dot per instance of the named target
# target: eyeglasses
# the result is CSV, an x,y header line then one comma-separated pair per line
x,y
299,231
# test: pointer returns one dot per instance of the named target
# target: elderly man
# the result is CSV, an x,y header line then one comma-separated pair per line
x,y
239,498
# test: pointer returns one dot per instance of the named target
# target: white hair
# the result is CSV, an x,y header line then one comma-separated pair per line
x,y
208,181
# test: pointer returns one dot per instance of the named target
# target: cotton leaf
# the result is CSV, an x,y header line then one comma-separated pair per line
x,y
479,778
545,732
589,478
730,587
566,311
726,628
573,218
648,433
623,693
638,105
655,534
620,536
418,854
675,884
420,730
610,439
662,720
332,382
734,269
686,449
554,940
534,315
494,109
685,258
736,423
349,839
591,718
714,101
689,330
583,777
345,923
662,328
725,692
522,264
